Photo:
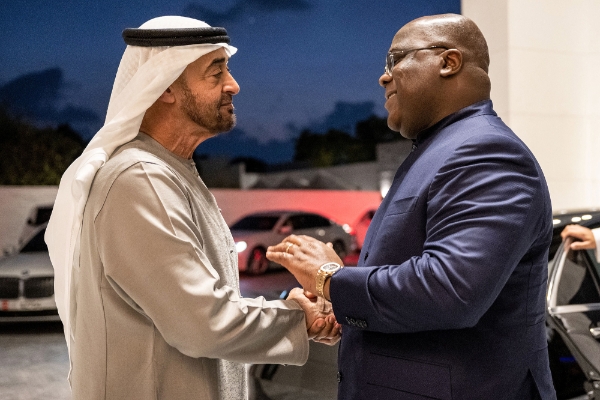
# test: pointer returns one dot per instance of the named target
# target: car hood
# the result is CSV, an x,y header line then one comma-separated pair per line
x,y
36,264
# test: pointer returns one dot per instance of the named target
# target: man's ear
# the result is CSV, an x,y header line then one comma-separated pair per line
x,y
167,96
452,62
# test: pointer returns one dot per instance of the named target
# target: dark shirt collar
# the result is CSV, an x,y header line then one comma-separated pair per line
x,y
479,108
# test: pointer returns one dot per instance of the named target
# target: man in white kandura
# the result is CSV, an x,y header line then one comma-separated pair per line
x,y
146,270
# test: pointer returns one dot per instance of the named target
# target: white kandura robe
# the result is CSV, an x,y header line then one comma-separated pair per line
x,y
157,311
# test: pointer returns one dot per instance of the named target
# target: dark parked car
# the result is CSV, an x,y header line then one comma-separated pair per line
x,y
574,311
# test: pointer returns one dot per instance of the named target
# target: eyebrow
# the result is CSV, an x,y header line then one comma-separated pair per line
x,y
217,61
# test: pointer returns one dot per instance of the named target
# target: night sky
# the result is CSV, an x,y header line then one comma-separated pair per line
x,y
300,64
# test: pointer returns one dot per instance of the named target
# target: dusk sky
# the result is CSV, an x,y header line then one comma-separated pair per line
x,y
300,64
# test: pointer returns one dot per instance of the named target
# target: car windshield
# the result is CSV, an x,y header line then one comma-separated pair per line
x,y
256,223
37,243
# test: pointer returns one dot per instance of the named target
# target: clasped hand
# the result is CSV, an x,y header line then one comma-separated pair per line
x,y
302,256
320,321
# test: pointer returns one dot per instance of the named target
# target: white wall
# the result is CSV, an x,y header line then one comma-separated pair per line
x,y
16,202
544,57
343,206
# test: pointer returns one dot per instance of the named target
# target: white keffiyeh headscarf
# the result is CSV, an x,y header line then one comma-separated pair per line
x,y
143,75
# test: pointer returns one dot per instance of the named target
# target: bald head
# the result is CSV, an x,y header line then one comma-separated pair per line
x,y
455,31
437,65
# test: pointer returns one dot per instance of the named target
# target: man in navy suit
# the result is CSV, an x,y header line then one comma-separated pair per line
x,y
448,298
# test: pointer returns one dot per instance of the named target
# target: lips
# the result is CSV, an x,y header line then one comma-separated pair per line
x,y
390,95
226,101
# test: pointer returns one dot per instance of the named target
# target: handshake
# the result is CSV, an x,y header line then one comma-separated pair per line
x,y
320,321
303,256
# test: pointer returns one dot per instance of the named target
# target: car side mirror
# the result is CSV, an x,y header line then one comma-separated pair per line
x,y
285,230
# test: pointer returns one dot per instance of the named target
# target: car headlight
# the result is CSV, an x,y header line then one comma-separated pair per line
x,y
349,230
240,246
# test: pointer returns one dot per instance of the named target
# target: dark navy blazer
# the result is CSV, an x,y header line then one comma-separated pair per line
x,y
448,298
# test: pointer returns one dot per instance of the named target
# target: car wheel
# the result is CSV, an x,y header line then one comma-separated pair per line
x,y
340,249
257,262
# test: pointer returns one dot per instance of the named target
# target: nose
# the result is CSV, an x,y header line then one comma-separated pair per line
x,y
384,80
231,86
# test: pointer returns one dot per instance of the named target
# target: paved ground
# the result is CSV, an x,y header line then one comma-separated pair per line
x,y
33,356
34,363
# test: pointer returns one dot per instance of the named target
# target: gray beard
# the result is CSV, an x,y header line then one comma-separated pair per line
x,y
207,115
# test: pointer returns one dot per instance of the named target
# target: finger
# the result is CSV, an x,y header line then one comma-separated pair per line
x,y
337,330
316,328
275,256
564,233
281,254
284,249
310,295
571,230
279,247
330,245
582,245
331,319
293,239
330,336
329,330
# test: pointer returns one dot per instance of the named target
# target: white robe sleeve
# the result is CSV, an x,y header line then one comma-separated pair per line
x,y
153,256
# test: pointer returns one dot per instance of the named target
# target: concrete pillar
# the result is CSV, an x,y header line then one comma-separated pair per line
x,y
545,86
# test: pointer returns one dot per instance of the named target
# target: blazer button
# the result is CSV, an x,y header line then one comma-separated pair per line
x,y
339,377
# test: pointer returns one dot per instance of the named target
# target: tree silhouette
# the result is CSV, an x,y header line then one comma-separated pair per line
x,y
336,147
35,156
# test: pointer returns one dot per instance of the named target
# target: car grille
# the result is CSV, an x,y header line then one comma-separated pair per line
x,y
9,288
33,288
41,313
36,288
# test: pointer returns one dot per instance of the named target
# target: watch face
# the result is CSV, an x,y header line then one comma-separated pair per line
x,y
330,267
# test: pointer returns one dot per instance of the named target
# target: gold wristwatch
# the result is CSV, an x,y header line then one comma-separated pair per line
x,y
326,271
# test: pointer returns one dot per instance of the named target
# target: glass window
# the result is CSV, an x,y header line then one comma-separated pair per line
x,y
256,223
309,221
37,243
42,215
299,221
316,221
579,280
